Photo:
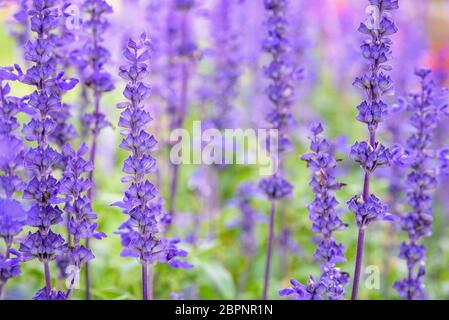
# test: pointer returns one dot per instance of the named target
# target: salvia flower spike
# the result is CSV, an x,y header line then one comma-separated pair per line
x,y
81,220
325,218
141,233
90,61
371,154
280,93
42,189
422,180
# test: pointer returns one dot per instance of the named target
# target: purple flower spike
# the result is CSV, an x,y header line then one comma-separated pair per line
x,y
426,110
44,104
12,215
280,71
90,61
75,185
141,232
325,219
280,92
371,154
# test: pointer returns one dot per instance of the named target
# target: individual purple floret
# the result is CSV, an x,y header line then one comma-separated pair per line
x,y
370,158
426,108
141,232
312,291
369,210
371,154
326,220
42,188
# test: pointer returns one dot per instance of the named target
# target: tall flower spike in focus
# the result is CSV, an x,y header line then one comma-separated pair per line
x,y
141,232
12,215
280,93
43,188
90,61
371,154
422,179
326,220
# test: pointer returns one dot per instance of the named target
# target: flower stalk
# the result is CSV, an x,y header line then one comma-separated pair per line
x,y
372,155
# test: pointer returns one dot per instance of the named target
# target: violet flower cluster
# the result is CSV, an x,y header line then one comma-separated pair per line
x,y
371,154
42,189
422,180
141,232
326,220
12,214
